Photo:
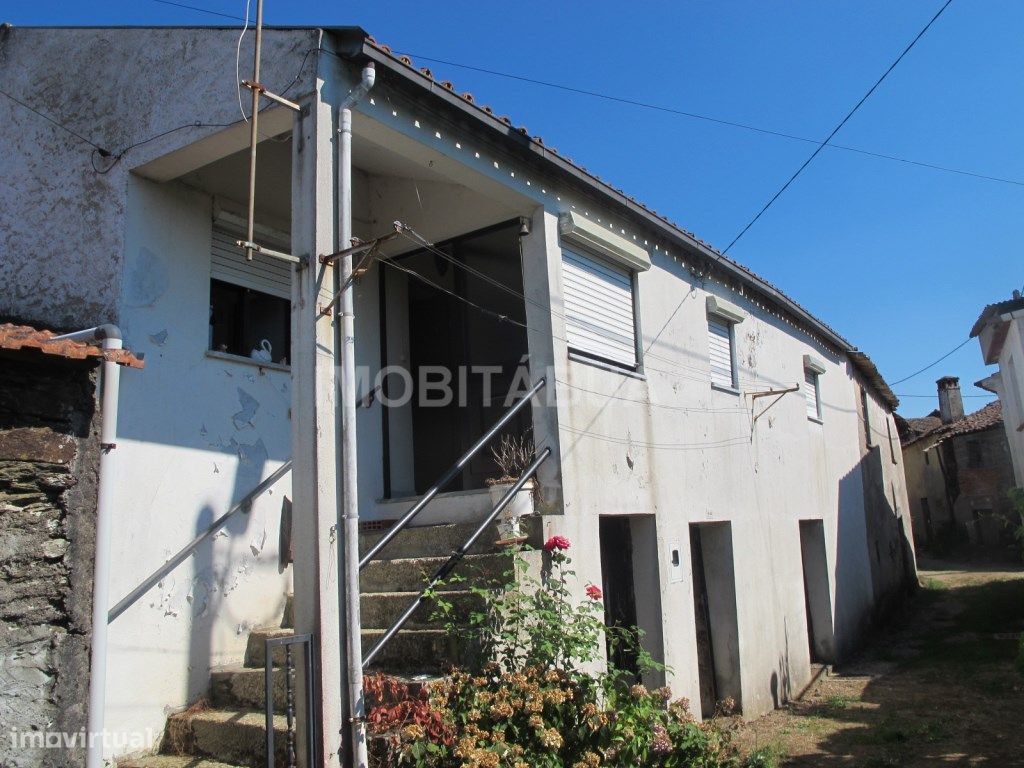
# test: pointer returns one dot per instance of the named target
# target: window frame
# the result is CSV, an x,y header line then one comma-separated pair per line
x,y
817,416
228,224
734,376
578,354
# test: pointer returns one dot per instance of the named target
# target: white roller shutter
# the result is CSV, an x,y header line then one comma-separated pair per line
x,y
598,308
720,346
811,393
227,263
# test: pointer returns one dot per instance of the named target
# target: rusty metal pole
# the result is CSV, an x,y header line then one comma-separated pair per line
x,y
254,129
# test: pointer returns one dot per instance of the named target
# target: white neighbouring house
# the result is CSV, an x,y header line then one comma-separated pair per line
x,y
1000,332
725,464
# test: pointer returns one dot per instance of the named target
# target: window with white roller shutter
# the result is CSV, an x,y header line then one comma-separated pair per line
x,y
812,394
599,309
264,274
250,301
720,340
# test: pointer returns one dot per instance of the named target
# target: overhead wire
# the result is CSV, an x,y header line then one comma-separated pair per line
x,y
838,127
238,61
660,108
932,365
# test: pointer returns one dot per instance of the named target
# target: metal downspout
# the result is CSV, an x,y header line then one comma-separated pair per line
x,y
109,337
350,488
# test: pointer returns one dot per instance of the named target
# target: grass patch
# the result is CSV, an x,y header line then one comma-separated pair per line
x,y
933,584
969,644
769,756
836,705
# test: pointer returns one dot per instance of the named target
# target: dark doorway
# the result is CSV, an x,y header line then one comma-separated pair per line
x,y
817,597
466,325
715,619
619,589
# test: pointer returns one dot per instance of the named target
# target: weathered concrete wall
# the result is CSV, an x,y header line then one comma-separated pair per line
x,y
48,466
668,444
923,467
1011,369
196,433
62,221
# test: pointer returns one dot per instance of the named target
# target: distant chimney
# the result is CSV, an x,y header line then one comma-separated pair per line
x,y
951,404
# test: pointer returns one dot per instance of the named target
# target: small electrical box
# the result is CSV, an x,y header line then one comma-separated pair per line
x,y
675,559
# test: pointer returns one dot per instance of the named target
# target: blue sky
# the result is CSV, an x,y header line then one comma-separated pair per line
x,y
900,259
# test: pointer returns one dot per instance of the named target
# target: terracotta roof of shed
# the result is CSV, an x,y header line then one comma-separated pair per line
x,y
19,337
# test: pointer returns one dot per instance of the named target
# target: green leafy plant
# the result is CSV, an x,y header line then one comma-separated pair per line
x,y
1017,498
529,697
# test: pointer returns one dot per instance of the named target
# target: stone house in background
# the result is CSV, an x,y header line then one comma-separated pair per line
x,y
1000,332
725,464
959,473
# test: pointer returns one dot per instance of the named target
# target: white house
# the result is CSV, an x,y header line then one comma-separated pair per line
x,y
1000,333
724,463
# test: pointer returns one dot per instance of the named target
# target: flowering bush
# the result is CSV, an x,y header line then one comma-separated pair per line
x,y
530,699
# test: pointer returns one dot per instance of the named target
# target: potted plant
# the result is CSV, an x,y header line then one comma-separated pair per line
x,y
513,455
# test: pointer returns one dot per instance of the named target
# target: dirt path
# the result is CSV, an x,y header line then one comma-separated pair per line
x,y
939,686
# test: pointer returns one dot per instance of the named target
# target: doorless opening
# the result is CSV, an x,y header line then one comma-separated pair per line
x,y
714,608
632,593
817,599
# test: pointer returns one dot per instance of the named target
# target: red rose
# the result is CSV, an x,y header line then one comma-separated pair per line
x,y
556,543
594,593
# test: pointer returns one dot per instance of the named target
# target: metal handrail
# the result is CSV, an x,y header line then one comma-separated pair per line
x,y
453,561
448,476
244,504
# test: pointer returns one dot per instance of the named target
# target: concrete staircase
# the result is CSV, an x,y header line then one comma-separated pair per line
x,y
231,731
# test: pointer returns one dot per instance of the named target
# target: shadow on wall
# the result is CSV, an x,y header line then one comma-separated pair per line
x,y
874,567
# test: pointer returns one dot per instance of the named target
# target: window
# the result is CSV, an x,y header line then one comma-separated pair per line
x,y
812,386
892,444
720,346
722,320
250,301
600,320
865,417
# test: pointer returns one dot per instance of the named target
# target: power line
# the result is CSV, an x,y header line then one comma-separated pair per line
x,y
201,10
836,130
103,152
710,119
663,108
931,365
933,395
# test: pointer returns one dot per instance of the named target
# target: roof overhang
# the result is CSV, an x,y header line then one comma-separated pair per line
x,y
355,44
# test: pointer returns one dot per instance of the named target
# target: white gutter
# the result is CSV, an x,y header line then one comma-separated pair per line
x,y
350,489
109,337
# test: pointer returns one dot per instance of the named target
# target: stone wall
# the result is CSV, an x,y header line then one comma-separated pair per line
x,y
48,471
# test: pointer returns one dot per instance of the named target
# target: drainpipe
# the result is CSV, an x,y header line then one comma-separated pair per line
x,y
350,489
109,337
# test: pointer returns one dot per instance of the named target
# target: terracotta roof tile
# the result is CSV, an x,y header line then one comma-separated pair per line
x,y
18,337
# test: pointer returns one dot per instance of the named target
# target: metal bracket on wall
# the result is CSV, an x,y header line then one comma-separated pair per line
x,y
779,393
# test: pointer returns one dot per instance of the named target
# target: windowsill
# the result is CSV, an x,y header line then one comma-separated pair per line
x,y
727,390
218,355
815,420
578,358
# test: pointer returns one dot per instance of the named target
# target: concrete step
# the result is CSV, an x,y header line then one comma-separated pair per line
x,y
243,688
255,650
413,651
430,541
171,761
380,609
238,736
410,574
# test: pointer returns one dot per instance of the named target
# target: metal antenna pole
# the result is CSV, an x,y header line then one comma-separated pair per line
x,y
254,130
